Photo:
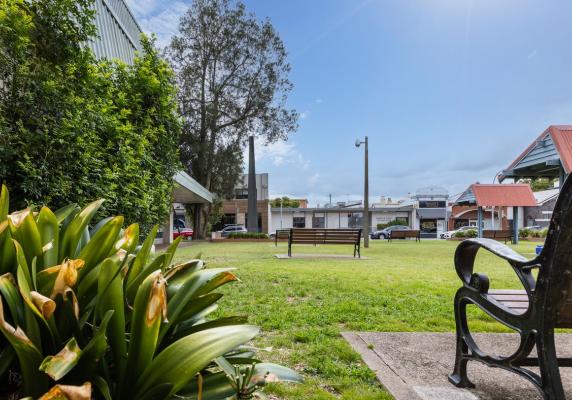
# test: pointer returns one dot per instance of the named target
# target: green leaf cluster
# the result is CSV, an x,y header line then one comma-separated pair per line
x,y
86,311
285,202
74,128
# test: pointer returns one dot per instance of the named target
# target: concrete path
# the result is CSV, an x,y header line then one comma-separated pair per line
x,y
414,366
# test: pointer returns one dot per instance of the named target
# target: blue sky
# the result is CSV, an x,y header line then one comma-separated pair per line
x,y
448,91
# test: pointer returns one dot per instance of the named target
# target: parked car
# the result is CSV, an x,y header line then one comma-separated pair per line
x,y
534,228
180,229
227,230
450,234
384,233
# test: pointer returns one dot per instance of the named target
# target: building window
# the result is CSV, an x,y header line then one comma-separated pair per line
x,y
318,222
241,193
355,220
431,204
402,220
459,223
299,222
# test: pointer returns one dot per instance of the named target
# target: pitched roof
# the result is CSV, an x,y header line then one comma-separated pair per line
x,y
489,195
546,195
562,138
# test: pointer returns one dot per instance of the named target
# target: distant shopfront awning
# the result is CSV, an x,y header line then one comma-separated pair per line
x,y
189,191
186,191
431,213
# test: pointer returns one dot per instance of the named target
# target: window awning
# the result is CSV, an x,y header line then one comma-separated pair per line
x,y
431,213
189,191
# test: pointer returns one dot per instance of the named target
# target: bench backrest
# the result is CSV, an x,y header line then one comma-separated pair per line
x,y
325,236
404,234
282,233
497,234
554,283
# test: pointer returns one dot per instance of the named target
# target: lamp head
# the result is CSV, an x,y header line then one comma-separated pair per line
x,y
358,143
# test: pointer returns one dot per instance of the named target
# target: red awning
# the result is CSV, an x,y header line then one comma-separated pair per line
x,y
515,195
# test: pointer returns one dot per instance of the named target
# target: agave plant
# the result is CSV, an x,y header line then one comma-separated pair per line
x,y
88,312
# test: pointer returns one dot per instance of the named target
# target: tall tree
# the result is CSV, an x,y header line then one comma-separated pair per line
x,y
232,72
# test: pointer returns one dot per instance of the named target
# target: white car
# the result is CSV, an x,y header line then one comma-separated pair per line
x,y
450,234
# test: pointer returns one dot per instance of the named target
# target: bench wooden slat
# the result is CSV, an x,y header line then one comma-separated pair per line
x,y
324,236
516,300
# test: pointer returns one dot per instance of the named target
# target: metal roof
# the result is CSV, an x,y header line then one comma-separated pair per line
x,y
189,191
117,29
546,195
550,153
491,195
404,208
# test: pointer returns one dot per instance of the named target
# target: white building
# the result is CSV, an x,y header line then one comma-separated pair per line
x,y
432,211
339,217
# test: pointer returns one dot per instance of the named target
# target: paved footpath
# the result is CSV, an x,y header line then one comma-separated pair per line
x,y
414,366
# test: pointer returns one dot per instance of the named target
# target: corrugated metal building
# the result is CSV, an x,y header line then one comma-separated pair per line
x,y
118,31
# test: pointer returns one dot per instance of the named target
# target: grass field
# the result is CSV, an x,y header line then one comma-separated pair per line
x,y
302,305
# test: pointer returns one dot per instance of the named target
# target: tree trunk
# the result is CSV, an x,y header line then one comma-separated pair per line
x,y
204,214
197,226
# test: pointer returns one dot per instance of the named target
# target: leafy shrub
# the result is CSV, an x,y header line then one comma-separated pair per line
x,y
248,235
391,223
89,310
526,233
471,233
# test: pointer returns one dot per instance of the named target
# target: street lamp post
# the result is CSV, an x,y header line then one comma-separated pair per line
x,y
280,212
365,195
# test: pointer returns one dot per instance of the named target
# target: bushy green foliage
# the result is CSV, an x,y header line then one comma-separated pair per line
x,y
92,311
285,202
391,223
248,235
532,233
471,233
73,128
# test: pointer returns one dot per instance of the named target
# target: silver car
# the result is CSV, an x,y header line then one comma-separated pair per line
x,y
227,230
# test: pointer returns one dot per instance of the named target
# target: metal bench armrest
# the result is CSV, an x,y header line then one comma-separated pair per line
x,y
465,261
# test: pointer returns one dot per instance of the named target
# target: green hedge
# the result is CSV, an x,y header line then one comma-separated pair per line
x,y
391,223
248,235
472,233
74,128
525,232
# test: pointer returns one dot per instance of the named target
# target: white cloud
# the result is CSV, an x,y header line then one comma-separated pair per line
x,y
304,114
155,17
279,153
318,100
143,7
532,54
313,179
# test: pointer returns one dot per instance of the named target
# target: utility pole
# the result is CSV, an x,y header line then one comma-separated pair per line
x,y
365,194
252,224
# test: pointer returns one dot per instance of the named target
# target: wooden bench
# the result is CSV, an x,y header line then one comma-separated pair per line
x,y
325,236
505,235
282,234
534,312
404,235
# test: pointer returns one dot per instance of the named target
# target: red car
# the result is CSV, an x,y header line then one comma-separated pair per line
x,y
186,233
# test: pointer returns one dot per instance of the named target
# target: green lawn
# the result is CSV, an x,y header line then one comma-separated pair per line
x,y
302,305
